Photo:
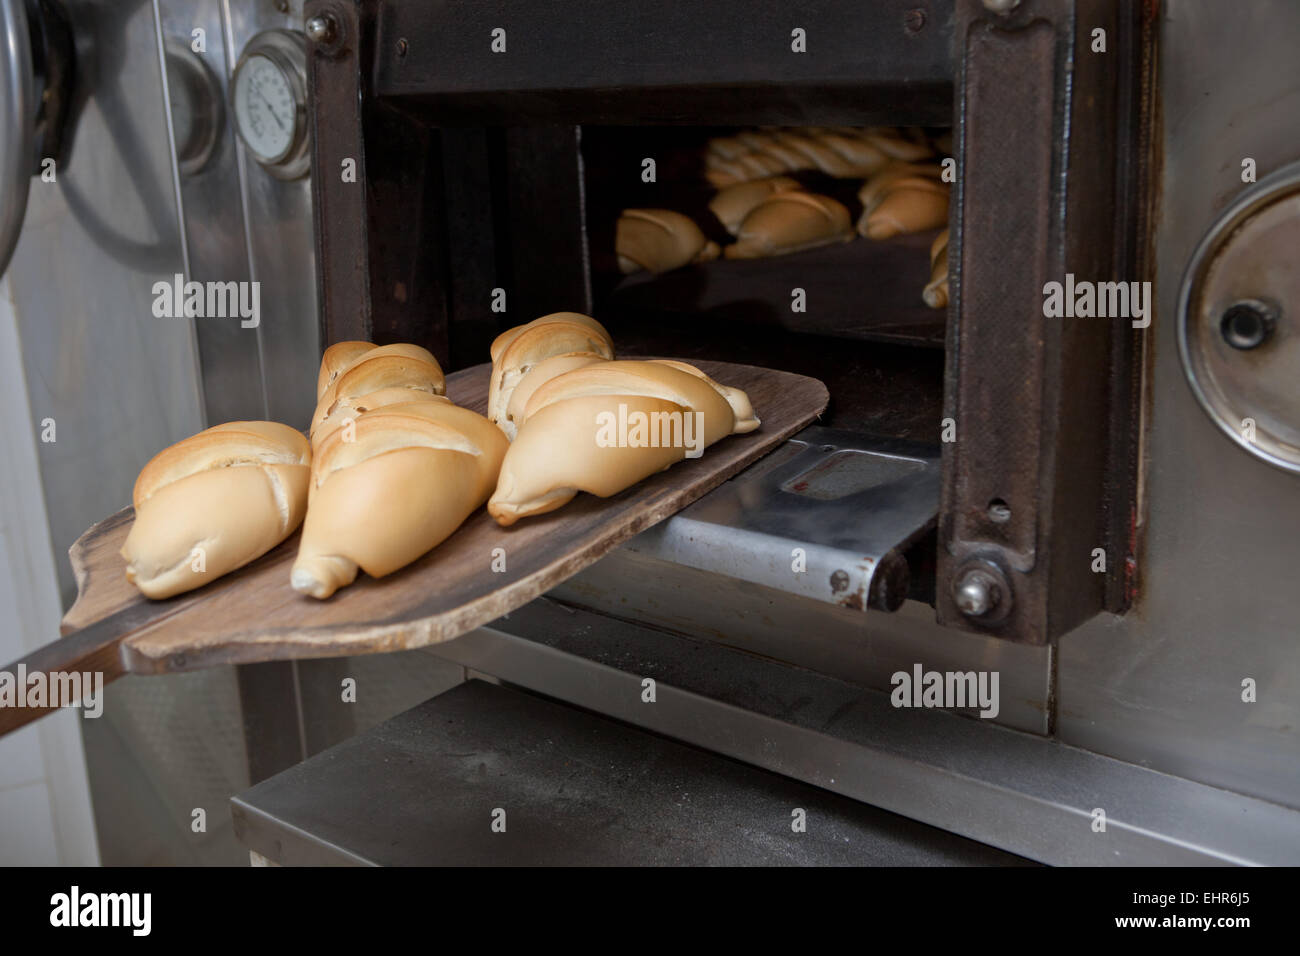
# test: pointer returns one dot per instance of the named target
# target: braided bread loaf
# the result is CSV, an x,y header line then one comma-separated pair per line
x,y
605,427
214,502
840,152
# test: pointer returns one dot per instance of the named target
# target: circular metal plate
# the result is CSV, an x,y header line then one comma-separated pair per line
x,y
1247,261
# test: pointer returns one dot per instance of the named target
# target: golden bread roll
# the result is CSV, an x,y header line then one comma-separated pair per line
x,y
336,358
874,190
603,428
386,366
535,378
349,409
790,222
522,352
659,240
214,502
733,204
410,475
935,292
912,204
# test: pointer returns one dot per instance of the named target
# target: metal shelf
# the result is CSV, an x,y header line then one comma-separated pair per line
x,y
575,788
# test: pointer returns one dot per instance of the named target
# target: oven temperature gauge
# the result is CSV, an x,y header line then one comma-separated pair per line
x,y
269,102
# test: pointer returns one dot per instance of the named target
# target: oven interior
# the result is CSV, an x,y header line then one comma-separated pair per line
x,y
526,227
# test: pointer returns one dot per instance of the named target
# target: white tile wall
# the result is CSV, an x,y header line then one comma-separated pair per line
x,y
27,827
45,815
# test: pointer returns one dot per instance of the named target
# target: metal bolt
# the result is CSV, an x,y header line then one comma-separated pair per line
x,y
1001,7
1248,324
975,595
981,591
321,28
914,20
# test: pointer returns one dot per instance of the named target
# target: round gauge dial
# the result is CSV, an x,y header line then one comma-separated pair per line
x,y
265,109
269,101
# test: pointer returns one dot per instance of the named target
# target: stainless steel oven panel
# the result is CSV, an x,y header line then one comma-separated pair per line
x,y
241,224
281,247
1218,598
118,383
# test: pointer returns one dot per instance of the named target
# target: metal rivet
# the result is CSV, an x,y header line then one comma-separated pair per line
x,y
1002,7
321,29
914,20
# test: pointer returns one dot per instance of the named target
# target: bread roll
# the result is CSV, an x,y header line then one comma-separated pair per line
x,y
336,358
571,439
902,199
349,409
790,222
523,354
535,378
408,478
875,189
659,240
214,502
733,204
935,292
380,367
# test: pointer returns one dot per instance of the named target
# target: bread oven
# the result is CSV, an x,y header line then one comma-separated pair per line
x,y
467,165
1014,576
972,502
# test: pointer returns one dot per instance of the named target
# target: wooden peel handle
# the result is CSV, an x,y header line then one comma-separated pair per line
x,y
92,650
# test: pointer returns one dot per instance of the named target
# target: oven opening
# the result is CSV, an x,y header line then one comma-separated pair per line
x,y
534,219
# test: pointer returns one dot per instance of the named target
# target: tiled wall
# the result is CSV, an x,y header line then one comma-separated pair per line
x,y
45,816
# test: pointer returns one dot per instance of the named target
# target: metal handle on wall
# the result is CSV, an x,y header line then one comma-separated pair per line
x,y
17,119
